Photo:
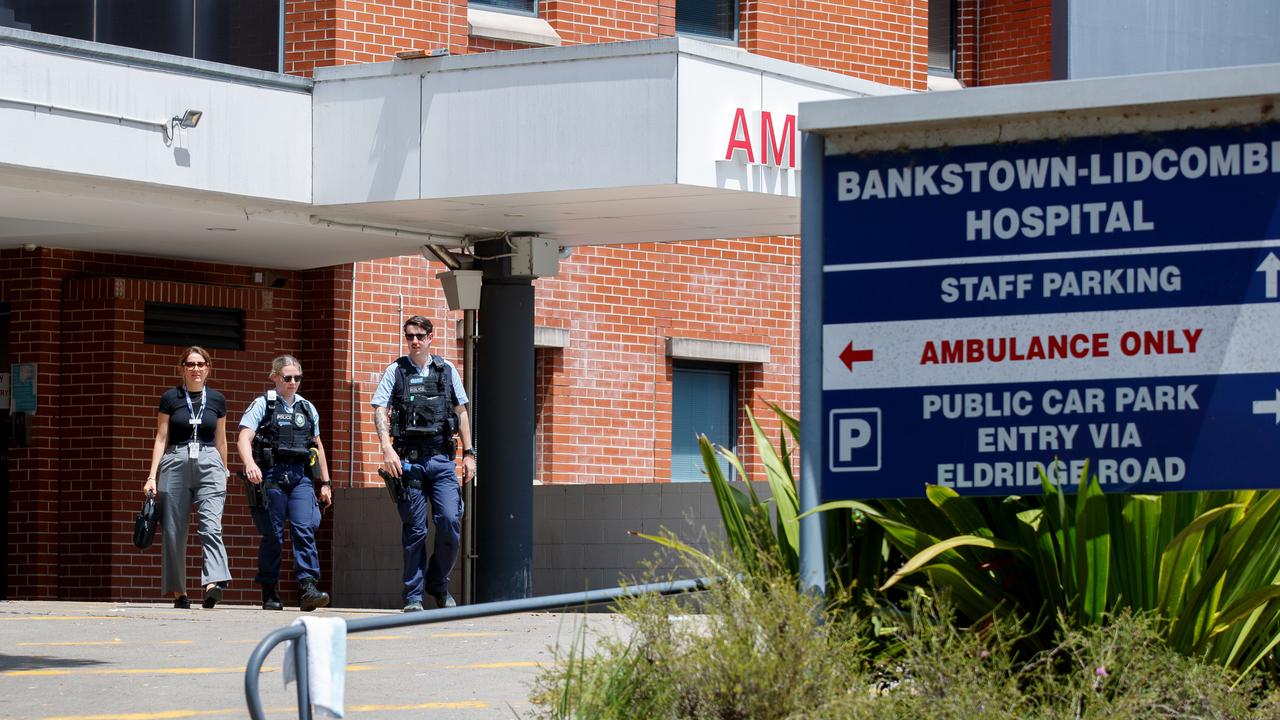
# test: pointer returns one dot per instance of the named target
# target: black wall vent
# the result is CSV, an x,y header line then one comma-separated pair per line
x,y
182,325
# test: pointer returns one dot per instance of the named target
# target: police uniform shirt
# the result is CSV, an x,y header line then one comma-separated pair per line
x,y
174,404
382,395
252,417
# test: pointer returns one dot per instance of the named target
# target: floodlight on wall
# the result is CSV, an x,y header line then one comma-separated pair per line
x,y
188,119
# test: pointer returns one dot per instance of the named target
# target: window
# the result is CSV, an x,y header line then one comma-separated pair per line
x,y
529,7
703,402
942,37
181,325
716,19
238,32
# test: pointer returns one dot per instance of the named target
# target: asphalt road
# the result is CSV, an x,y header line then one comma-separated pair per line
x,y
131,661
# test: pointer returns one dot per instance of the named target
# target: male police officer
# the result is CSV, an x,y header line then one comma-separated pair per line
x,y
278,434
417,408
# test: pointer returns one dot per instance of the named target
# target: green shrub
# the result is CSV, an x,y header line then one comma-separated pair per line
x,y
754,650
1123,669
762,651
1206,564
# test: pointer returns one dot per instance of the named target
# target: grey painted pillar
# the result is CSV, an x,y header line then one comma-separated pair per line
x,y
504,436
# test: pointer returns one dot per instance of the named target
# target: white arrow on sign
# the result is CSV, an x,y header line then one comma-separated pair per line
x,y
1266,407
1271,266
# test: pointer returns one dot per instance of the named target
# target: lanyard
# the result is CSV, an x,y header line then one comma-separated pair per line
x,y
196,417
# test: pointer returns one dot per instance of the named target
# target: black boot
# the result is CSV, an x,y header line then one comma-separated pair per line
x,y
270,598
311,597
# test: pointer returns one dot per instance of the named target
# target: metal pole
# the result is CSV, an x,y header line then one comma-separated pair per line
x,y
568,601
812,554
469,490
303,678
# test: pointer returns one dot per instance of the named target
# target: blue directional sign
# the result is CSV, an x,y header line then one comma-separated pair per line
x,y
997,314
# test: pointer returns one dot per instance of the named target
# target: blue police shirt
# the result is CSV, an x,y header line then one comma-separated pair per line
x,y
252,417
382,395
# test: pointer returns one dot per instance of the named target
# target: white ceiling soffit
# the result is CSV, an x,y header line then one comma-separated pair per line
x,y
84,213
595,144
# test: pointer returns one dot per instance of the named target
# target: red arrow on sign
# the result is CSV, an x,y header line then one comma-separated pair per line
x,y
851,356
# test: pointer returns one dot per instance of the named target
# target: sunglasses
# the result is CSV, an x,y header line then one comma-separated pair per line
x,y
194,363
291,378
416,336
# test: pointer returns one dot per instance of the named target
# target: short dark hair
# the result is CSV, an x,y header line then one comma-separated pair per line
x,y
421,322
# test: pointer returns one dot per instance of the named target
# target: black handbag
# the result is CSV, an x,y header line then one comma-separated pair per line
x,y
145,524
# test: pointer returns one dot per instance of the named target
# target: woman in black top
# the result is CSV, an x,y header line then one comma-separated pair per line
x,y
191,469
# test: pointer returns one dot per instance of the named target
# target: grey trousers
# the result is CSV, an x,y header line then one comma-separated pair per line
x,y
183,483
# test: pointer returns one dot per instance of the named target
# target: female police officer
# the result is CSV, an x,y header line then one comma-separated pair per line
x,y
277,435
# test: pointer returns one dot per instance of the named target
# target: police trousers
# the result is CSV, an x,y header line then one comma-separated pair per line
x,y
438,487
290,496
185,482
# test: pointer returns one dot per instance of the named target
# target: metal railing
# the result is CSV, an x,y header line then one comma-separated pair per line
x,y
297,633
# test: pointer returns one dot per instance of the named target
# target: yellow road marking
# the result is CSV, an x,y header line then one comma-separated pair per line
x,y
490,666
166,715
151,671
463,705
237,712
61,617
116,641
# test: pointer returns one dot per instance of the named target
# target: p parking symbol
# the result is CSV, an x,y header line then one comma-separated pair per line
x,y
853,440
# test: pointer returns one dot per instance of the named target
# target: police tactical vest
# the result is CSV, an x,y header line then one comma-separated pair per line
x,y
423,411
289,432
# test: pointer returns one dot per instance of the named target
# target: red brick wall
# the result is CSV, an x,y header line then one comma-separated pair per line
x,y
596,21
1014,42
73,494
880,40
322,33
611,388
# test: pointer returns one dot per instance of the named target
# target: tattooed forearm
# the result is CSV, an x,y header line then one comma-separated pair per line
x,y
382,424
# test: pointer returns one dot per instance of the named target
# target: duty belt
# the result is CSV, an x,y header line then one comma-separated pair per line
x,y
414,452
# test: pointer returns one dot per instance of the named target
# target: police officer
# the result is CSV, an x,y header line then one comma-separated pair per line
x,y
417,407
278,434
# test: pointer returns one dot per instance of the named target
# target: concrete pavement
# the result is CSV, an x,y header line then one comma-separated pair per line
x,y
142,661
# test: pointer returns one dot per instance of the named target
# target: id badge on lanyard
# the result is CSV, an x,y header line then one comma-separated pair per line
x,y
193,447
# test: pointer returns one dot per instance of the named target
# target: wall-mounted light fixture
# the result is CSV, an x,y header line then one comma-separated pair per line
x,y
188,119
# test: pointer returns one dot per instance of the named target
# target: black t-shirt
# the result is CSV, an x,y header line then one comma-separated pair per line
x,y
174,404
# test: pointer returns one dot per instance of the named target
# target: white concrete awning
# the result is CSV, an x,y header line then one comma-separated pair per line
x,y
646,141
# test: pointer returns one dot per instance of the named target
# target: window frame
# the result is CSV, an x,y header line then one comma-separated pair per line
x,y
97,31
733,371
494,7
733,40
930,68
